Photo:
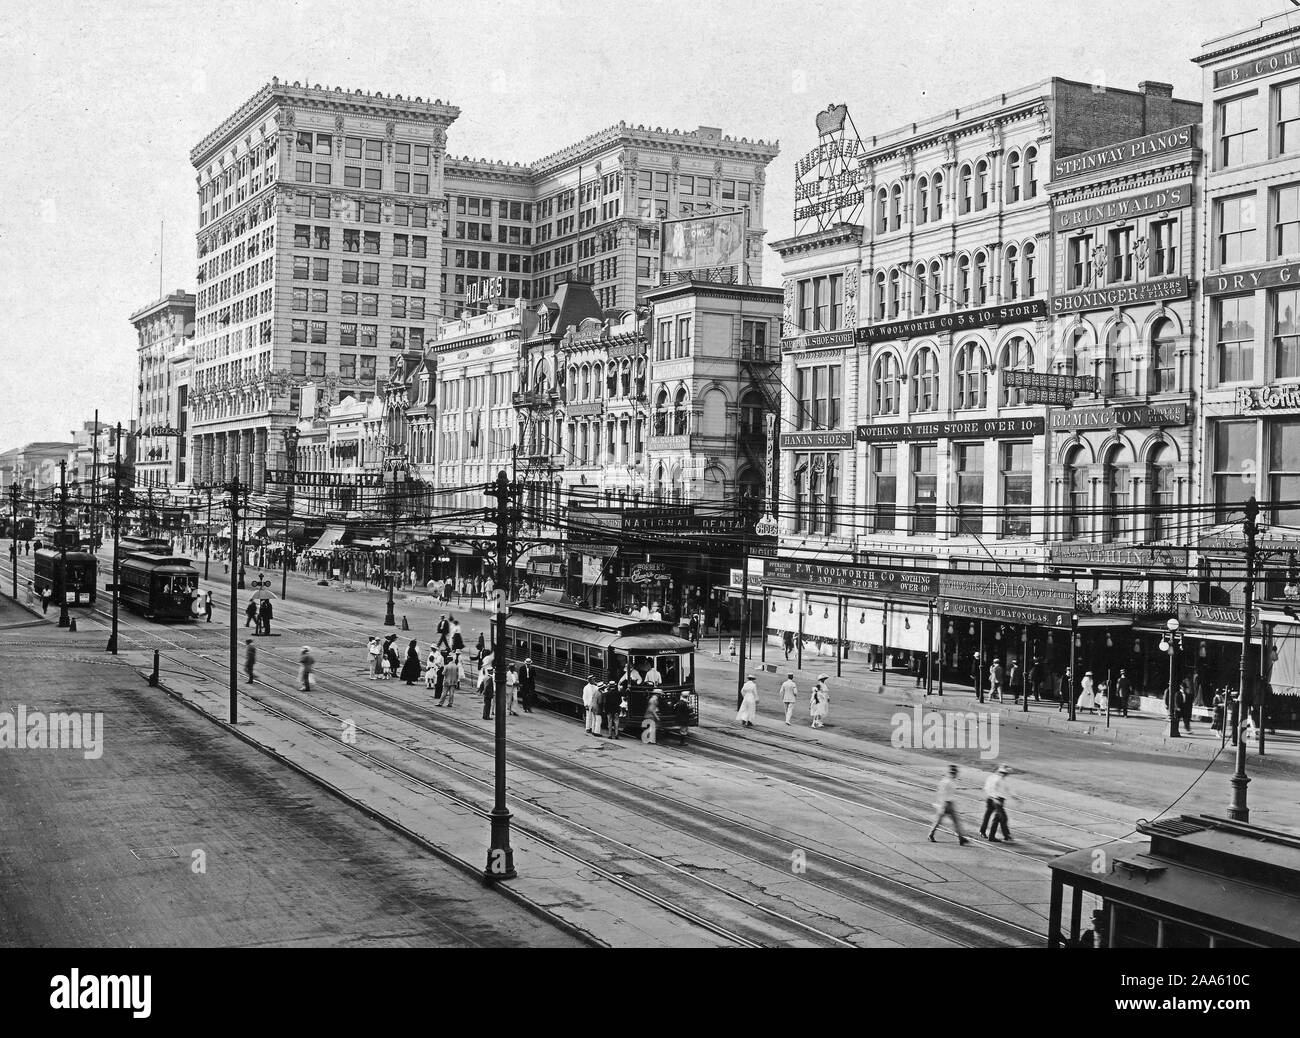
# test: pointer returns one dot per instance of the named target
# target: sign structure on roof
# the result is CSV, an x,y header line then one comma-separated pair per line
x,y
828,183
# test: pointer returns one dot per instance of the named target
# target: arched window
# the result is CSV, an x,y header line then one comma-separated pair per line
x,y
1013,177
1119,501
681,412
924,379
965,178
936,274
1164,343
1118,361
1017,355
586,382
1029,265
982,184
1011,273
918,287
981,278
882,211
661,413
972,376
1031,172
597,380
923,200
885,380
1067,361
963,281
1076,492
880,296
1162,491
895,293
896,207
936,196
660,487
620,382
751,415
640,377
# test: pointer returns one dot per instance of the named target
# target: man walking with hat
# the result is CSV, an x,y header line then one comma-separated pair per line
x,y
995,798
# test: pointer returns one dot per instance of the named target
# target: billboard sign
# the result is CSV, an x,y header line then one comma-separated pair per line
x,y
704,242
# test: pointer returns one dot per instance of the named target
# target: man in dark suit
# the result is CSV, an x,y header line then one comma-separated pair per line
x,y
527,685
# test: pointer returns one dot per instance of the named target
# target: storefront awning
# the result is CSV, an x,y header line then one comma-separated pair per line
x,y
330,540
369,542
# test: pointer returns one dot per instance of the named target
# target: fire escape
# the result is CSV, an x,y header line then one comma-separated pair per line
x,y
759,370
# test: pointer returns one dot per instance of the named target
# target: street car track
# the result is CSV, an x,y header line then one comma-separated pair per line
x,y
737,837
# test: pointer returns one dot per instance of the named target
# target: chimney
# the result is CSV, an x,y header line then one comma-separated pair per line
x,y
1157,106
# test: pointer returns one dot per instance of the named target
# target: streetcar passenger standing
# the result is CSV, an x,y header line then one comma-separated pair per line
x,y
439,687
591,717
612,706
264,615
480,649
789,696
390,654
650,721
305,665
250,659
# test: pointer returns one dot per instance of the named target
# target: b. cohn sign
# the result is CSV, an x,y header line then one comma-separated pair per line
x,y
1268,398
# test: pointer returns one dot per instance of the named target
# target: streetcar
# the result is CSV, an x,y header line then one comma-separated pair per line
x,y
566,644
72,573
148,545
159,587
26,528
60,537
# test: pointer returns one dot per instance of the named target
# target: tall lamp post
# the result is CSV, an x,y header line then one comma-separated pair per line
x,y
14,493
1171,643
63,542
1237,810
291,459
117,525
397,470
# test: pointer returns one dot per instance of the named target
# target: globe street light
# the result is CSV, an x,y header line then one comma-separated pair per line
x,y
1171,643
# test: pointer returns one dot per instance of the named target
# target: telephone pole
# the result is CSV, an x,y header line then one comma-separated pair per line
x,y
94,486
234,488
63,543
291,453
501,859
117,525
13,505
1238,811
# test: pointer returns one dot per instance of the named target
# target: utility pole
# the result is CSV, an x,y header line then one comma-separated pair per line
x,y
63,542
94,485
501,859
207,534
744,611
13,505
234,488
117,523
291,459
1238,811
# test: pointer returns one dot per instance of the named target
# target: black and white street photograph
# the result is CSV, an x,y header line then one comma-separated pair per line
x,y
666,477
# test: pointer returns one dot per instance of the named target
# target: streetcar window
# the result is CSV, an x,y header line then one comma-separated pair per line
x,y
669,668
1134,929
521,646
596,661
579,659
193,581
1176,935
561,655
539,652
687,668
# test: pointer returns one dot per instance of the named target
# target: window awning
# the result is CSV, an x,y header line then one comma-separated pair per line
x,y
330,540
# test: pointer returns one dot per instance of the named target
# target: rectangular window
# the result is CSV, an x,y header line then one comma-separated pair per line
x,y
369,336
924,488
1286,332
1234,132
1286,220
322,172
350,271
352,147
1235,218
1017,488
374,150
320,270
317,365
398,307
399,275
419,246
1235,338
1080,250
305,142
318,332
884,483
1284,470
417,277
370,273
683,337
370,243
320,301
1234,468
369,212
321,237
1121,254
1286,118
1164,248
298,331
351,176
643,266
818,393
302,172
369,304
400,245
402,182
299,299
302,236
347,365
298,361
968,459
347,335
367,369
351,241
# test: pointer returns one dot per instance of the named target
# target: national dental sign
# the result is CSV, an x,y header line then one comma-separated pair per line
x,y
1129,151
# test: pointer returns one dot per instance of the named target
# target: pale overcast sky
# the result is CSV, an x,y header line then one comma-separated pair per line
x,y
104,100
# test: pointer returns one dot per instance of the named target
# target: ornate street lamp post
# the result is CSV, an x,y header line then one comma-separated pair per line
x,y
1171,643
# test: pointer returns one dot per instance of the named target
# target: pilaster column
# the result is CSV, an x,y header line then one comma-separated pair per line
x,y
219,458
259,460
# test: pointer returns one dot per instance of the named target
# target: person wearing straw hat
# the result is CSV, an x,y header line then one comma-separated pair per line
x,y
748,702
995,805
820,704
789,696
945,804
592,716
1088,697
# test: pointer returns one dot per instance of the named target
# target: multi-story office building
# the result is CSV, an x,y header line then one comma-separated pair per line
x,y
164,330
592,211
903,439
319,246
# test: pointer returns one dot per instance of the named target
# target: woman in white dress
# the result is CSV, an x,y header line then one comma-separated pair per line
x,y
748,703
1087,698
820,704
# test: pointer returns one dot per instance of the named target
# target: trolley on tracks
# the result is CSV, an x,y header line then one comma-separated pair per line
x,y
566,644
159,587
148,545
73,574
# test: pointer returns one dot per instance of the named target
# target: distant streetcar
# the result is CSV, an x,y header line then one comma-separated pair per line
x,y
72,573
566,644
160,587
149,545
